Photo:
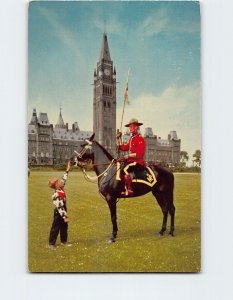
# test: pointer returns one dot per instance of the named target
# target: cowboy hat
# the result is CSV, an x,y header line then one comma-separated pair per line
x,y
133,121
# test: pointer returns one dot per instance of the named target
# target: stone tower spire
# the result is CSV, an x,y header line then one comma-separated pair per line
x,y
104,52
60,122
104,99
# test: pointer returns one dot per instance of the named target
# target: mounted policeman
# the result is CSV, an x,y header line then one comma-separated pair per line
x,y
134,160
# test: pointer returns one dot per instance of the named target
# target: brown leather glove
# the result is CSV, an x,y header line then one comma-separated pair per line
x,y
119,135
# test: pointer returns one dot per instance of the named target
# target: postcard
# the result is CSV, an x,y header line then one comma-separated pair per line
x,y
114,136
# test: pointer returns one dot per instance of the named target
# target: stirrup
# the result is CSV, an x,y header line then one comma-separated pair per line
x,y
127,192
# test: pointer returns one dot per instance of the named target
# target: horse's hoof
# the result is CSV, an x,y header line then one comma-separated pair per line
x,y
171,234
160,234
111,240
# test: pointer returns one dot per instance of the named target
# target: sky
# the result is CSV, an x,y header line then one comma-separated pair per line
x,y
159,41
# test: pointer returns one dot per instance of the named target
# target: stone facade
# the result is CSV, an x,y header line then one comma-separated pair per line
x,y
40,140
166,151
51,145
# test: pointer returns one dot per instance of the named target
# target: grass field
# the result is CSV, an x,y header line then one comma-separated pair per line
x,y
138,247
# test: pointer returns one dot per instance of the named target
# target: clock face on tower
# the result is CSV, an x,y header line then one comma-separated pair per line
x,y
107,72
100,73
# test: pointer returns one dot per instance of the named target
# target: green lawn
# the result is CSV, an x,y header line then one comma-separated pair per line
x,y
138,247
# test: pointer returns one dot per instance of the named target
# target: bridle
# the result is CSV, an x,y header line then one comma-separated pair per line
x,y
79,155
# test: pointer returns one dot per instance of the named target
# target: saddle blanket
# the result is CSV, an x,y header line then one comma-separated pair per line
x,y
147,176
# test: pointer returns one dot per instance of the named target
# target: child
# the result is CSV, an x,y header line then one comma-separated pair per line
x,y
60,218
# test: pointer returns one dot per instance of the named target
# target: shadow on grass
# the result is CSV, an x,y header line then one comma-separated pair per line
x,y
133,235
144,234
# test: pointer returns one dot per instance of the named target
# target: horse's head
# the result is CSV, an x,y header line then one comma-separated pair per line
x,y
93,152
86,154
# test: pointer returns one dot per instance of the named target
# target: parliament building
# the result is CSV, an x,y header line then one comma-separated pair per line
x,y
50,144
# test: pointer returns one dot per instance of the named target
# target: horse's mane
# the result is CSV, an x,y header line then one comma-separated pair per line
x,y
109,156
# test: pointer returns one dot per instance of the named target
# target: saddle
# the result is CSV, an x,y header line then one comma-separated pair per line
x,y
143,175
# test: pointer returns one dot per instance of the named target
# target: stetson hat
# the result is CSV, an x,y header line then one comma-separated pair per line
x,y
133,121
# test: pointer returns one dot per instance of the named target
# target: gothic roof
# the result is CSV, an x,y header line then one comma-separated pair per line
x,y
60,122
104,53
160,142
173,135
163,142
64,134
148,132
43,119
76,127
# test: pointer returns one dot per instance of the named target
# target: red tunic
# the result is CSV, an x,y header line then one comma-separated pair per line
x,y
136,144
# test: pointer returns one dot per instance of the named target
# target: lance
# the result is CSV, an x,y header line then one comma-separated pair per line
x,y
123,110
125,99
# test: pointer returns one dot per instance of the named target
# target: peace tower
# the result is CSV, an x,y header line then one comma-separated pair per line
x,y
104,99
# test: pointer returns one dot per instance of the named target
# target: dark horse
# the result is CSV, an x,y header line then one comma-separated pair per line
x,y
106,169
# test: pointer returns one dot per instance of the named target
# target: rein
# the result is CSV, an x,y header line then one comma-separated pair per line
x,y
93,179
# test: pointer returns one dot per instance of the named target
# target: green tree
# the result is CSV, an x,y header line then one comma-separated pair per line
x,y
197,156
184,158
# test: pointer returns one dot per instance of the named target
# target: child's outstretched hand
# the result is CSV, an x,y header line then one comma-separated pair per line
x,y
68,166
66,220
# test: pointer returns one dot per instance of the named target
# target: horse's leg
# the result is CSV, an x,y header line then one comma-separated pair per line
x,y
112,206
163,205
165,215
171,207
172,210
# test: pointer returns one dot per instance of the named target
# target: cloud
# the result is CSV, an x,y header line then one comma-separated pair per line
x,y
160,21
154,23
176,108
